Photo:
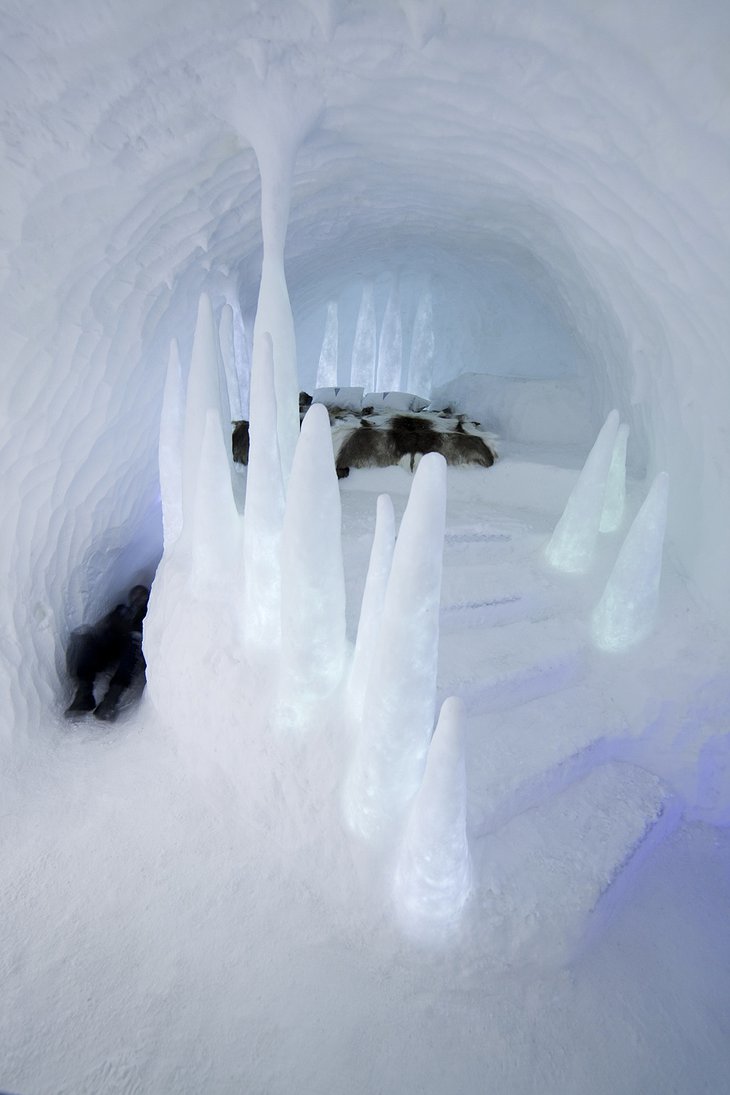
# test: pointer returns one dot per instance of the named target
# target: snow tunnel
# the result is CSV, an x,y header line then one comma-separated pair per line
x,y
554,175
472,836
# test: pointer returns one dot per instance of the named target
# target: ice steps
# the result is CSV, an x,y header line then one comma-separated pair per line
x,y
507,666
518,758
545,872
484,595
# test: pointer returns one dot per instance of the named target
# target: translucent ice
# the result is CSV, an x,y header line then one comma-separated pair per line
x,y
625,613
433,875
362,373
264,510
614,501
573,542
216,529
273,312
390,347
423,344
170,449
400,695
327,368
203,394
227,340
312,575
371,610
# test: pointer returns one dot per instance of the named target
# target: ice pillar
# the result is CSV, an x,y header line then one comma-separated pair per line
x,y
203,395
390,347
573,542
327,368
263,511
423,344
312,576
228,354
273,313
362,372
216,524
371,610
625,613
614,501
433,875
170,449
401,691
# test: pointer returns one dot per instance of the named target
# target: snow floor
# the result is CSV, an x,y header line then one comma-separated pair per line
x,y
183,911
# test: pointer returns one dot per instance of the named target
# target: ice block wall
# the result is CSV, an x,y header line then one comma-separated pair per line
x,y
583,148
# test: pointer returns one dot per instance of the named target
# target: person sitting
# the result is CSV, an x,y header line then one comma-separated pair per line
x,y
113,643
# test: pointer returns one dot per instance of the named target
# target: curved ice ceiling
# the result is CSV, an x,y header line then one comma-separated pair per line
x,y
578,149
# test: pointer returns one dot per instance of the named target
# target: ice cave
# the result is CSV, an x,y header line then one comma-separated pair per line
x,y
429,787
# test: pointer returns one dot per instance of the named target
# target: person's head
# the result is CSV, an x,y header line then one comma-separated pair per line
x,y
138,597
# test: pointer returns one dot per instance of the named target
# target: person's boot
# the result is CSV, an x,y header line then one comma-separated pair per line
x,y
83,701
108,708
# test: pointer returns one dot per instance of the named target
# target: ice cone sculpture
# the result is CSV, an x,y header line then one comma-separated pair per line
x,y
260,614
371,610
312,576
170,450
433,875
401,691
614,501
625,613
572,545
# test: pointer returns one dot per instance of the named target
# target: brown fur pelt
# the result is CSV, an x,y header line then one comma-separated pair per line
x,y
382,440
385,440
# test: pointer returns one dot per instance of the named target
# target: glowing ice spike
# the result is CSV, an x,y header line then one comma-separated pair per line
x,y
263,510
217,525
573,542
390,347
401,692
614,501
170,449
327,368
371,610
273,310
362,372
433,875
228,355
625,613
423,344
312,574
203,394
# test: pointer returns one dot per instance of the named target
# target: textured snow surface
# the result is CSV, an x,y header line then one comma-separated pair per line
x,y
184,908
525,208
554,174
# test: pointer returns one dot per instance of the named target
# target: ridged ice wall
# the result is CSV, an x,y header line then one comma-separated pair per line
x,y
585,149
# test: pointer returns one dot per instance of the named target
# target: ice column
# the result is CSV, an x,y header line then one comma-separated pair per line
x,y
371,610
625,613
573,542
423,345
390,347
170,449
312,577
203,395
263,511
433,875
273,313
362,372
614,501
400,695
216,523
327,368
228,354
